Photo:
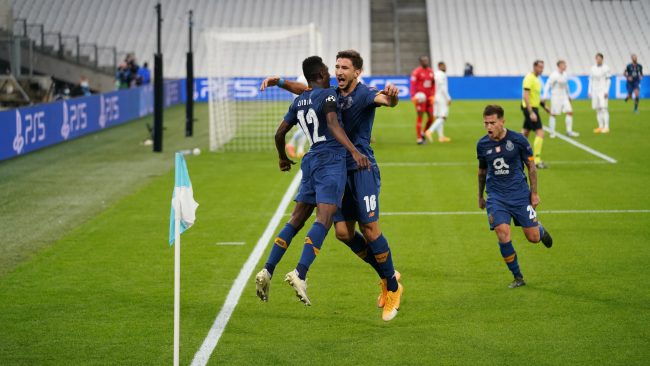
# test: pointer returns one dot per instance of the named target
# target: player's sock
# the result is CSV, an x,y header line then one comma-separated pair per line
x,y
537,149
510,257
636,104
418,126
436,126
313,243
569,123
551,123
359,246
384,258
599,116
280,245
606,119
429,123
542,231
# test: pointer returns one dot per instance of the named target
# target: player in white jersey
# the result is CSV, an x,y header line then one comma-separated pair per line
x,y
560,100
599,82
441,101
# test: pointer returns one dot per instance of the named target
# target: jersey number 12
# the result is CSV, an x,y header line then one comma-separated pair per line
x,y
312,118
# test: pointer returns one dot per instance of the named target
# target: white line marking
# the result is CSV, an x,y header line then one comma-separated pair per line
x,y
451,213
231,243
583,147
210,343
468,163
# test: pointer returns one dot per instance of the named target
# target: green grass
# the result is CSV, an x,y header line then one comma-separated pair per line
x,y
86,275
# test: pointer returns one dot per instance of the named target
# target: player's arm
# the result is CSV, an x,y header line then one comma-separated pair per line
x,y
589,86
288,85
280,138
531,113
482,177
388,96
532,178
340,136
414,80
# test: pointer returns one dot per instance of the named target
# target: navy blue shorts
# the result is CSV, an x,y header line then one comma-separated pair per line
x,y
361,197
501,213
323,178
633,85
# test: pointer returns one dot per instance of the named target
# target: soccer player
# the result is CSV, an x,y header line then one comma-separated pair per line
x,y
502,154
599,82
560,100
442,100
358,103
323,174
422,93
531,101
633,73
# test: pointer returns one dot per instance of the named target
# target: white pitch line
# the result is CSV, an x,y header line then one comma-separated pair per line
x,y
583,147
231,243
452,213
471,163
210,343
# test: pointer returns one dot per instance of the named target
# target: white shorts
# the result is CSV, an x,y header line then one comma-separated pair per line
x,y
560,105
598,101
440,108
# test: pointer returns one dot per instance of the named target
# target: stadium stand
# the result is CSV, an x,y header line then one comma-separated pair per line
x,y
130,25
501,37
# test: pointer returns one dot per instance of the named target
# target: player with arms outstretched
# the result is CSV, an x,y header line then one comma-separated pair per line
x,y
560,100
502,154
323,174
633,73
423,89
358,103
599,82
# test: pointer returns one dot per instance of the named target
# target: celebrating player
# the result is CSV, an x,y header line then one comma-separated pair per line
x,y
633,73
599,82
502,154
422,93
323,174
531,101
358,103
442,100
560,100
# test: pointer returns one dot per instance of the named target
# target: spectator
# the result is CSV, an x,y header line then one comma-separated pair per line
x,y
84,86
469,69
122,77
144,75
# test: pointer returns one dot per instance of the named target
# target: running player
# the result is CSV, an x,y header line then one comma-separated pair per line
x,y
423,89
530,103
599,82
323,174
502,154
560,100
442,100
633,73
358,103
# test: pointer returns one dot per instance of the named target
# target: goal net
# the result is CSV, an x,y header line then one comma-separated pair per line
x,y
241,117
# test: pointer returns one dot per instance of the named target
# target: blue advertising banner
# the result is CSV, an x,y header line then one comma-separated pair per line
x,y
28,129
486,87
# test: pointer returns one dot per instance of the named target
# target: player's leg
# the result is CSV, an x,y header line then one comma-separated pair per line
x,y
567,108
551,125
419,109
429,113
636,99
499,220
595,105
538,142
526,217
629,87
605,114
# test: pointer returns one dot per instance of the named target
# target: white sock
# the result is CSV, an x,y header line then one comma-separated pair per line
x,y
436,126
568,121
551,123
599,116
606,119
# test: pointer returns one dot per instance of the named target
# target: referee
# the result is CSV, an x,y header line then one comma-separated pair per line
x,y
530,104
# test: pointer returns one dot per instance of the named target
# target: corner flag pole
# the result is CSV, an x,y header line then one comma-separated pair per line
x,y
177,285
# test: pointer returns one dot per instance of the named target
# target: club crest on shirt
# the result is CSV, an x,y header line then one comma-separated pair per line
x,y
510,146
345,102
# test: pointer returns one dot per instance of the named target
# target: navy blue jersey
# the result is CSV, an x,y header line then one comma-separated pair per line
x,y
504,161
309,111
634,71
358,115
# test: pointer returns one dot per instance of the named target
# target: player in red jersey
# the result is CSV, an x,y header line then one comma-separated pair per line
x,y
423,89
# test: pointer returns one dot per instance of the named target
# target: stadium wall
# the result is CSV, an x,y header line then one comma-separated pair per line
x,y
477,87
28,129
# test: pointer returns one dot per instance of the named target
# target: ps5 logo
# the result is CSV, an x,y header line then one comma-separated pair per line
x,y
34,130
500,167
109,110
74,119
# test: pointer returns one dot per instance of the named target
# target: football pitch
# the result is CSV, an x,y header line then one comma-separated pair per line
x,y
86,274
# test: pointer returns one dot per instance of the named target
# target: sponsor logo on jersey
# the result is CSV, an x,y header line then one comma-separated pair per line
x,y
500,167
488,152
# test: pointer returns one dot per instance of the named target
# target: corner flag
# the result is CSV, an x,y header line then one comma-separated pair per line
x,y
183,204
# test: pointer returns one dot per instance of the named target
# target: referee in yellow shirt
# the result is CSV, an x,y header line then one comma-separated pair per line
x,y
530,103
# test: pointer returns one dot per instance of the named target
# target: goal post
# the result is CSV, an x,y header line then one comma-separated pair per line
x,y
241,117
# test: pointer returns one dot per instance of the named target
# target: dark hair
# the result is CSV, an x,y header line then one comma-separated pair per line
x,y
537,62
353,56
311,67
601,55
491,109
560,62
441,63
